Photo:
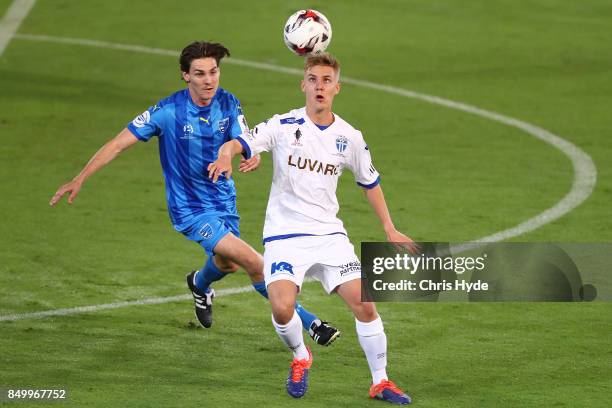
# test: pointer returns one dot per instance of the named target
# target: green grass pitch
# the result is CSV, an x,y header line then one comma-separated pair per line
x,y
447,175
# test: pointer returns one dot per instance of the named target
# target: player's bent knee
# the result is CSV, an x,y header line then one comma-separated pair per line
x,y
282,295
231,269
365,311
282,313
225,265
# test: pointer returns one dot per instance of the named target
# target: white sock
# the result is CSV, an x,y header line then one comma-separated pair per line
x,y
374,344
291,335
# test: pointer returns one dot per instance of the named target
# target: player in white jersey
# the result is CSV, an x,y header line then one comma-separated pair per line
x,y
311,147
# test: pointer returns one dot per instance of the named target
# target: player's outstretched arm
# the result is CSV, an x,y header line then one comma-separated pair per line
x,y
377,201
102,157
223,164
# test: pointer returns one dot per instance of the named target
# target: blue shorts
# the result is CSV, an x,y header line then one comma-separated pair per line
x,y
207,230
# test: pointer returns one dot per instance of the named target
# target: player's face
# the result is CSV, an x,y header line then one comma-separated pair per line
x,y
320,84
202,80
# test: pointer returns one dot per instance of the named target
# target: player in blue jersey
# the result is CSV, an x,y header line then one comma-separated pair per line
x,y
191,125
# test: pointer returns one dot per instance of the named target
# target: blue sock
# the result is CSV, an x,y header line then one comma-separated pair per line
x,y
261,288
207,275
306,317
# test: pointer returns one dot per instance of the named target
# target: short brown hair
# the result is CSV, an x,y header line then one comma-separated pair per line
x,y
324,59
201,49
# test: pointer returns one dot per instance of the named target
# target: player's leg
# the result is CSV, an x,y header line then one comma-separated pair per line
x,y
234,249
373,341
216,268
284,279
282,295
207,231
286,322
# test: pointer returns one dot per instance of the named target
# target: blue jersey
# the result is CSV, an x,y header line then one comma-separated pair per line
x,y
189,138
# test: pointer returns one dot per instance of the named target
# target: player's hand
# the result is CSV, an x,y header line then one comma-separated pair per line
x,y
73,188
221,166
402,241
251,164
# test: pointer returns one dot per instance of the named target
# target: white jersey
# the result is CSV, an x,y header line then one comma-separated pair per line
x,y
307,163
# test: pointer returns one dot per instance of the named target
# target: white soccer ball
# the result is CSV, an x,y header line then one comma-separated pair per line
x,y
307,32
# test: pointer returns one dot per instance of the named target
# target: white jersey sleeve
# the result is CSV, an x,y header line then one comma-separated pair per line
x,y
261,138
360,163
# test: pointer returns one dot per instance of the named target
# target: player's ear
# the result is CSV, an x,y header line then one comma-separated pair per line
x,y
303,86
337,88
185,76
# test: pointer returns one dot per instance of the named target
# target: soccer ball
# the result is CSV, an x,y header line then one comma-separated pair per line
x,y
307,32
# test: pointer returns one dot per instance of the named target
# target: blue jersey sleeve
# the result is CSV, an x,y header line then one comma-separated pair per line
x,y
148,124
238,122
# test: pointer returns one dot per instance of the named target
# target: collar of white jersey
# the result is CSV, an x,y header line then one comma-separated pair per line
x,y
307,118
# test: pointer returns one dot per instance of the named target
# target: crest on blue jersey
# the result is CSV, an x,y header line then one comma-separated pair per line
x,y
282,267
206,231
223,124
341,144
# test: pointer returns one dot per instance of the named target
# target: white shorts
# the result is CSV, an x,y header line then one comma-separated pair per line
x,y
330,259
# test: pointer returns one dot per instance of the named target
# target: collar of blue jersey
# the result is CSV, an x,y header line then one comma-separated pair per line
x,y
201,108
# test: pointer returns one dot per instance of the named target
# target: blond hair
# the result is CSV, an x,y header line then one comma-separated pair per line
x,y
323,59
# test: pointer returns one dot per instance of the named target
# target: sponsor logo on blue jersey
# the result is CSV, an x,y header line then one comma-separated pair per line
x,y
187,132
291,121
282,267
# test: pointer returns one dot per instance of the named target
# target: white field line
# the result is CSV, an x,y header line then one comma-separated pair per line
x,y
585,172
12,19
117,305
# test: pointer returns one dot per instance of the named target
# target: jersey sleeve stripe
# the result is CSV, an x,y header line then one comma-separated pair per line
x,y
247,150
370,186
